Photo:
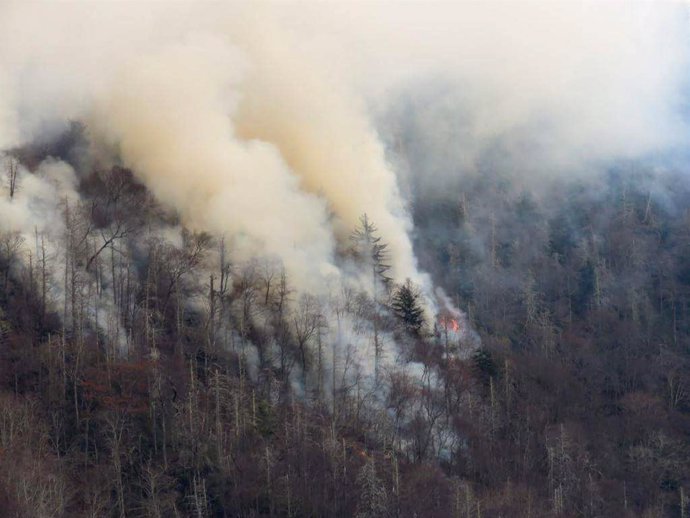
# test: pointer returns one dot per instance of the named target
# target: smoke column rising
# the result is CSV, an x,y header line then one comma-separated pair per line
x,y
254,121
170,116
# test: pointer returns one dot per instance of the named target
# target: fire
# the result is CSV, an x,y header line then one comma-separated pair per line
x,y
451,324
450,318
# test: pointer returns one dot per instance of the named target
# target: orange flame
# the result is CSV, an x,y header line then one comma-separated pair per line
x,y
450,324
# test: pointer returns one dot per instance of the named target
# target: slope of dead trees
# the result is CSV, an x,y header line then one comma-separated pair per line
x,y
142,373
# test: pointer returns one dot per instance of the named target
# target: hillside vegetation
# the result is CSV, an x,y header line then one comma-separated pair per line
x,y
146,375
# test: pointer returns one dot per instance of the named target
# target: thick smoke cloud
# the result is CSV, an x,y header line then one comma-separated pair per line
x,y
324,134
170,114
244,140
256,121
559,85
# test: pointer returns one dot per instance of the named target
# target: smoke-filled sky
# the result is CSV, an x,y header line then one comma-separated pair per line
x,y
262,122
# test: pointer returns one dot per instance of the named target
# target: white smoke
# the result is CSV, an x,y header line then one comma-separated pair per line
x,y
33,218
254,121
171,116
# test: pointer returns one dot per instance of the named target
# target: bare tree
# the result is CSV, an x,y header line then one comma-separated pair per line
x,y
158,497
116,428
25,469
306,321
268,270
282,326
118,210
10,244
11,173
373,497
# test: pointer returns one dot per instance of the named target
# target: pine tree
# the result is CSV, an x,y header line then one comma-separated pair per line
x,y
407,308
369,249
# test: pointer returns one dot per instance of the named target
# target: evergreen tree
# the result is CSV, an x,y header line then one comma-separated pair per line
x,y
369,249
407,308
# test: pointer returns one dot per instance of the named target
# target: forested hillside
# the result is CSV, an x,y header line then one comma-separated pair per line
x,y
143,374
580,295
307,259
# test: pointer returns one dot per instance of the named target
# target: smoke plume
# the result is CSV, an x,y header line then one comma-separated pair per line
x,y
262,122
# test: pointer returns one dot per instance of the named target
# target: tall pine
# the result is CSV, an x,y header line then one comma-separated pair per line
x,y
407,308
373,255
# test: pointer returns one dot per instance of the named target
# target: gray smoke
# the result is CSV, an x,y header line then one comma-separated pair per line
x,y
256,121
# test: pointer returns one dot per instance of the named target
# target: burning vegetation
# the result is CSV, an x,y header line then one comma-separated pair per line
x,y
229,286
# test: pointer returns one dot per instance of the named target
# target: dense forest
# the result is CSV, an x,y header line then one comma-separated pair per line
x,y
307,259
143,373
